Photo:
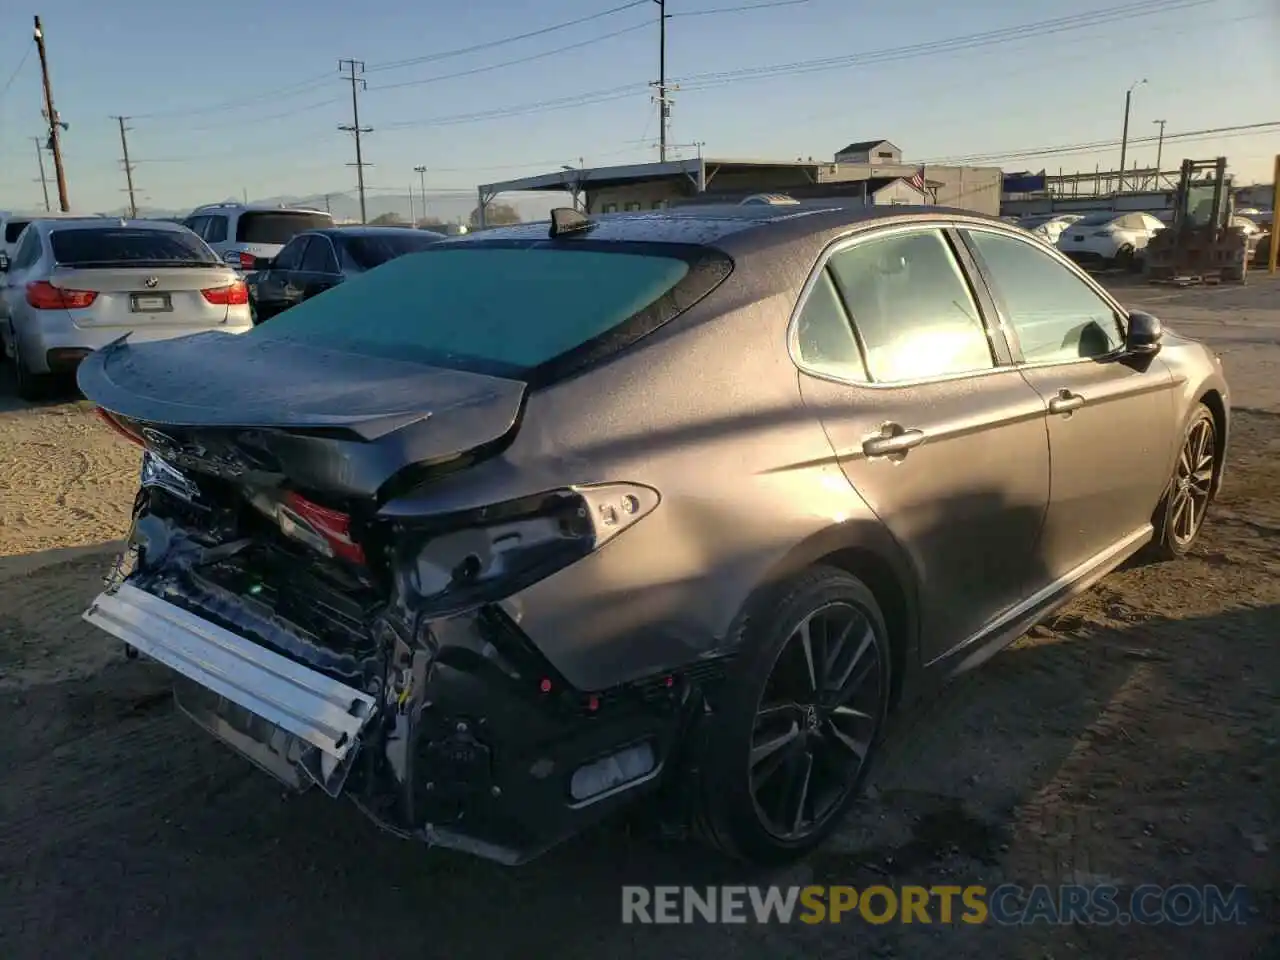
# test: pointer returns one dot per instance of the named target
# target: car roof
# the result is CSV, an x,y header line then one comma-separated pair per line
x,y
360,230
108,223
46,215
726,226
253,208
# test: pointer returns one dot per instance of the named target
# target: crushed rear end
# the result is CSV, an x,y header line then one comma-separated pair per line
x,y
375,656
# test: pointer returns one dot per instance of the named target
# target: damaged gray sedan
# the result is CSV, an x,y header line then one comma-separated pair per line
x,y
538,523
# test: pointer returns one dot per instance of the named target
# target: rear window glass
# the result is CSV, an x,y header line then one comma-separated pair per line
x,y
89,246
13,229
368,251
497,309
277,226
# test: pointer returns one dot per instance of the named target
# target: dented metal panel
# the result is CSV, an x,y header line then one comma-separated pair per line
x,y
321,711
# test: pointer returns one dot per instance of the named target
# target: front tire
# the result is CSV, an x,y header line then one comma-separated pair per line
x,y
1180,516
791,741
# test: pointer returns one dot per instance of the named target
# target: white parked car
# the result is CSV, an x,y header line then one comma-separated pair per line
x,y
1109,238
73,286
1048,226
240,234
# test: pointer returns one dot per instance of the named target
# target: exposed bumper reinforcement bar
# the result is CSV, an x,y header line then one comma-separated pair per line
x,y
317,709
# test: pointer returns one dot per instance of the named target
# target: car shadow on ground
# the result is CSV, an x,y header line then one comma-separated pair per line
x,y
123,824
65,392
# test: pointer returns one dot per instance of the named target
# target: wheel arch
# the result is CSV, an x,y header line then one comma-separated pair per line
x,y
866,550
1212,399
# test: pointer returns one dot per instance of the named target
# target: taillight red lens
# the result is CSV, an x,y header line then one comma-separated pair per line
x,y
235,295
333,525
115,425
43,295
247,260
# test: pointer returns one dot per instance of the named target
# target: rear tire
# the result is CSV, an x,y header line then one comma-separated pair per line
x,y
31,386
1179,518
1125,258
791,739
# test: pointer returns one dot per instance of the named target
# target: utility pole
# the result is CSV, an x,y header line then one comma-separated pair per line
x,y
128,168
1124,136
412,219
664,104
55,126
1159,150
355,68
421,171
44,181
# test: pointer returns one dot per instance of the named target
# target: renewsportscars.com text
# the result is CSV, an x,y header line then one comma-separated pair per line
x,y
1006,905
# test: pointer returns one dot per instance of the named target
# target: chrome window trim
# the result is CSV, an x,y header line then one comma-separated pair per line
x,y
863,233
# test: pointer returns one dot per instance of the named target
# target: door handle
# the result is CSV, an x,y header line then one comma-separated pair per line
x,y
1065,402
893,439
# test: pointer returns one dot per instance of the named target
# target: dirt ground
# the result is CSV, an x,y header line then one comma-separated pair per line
x,y
1134,739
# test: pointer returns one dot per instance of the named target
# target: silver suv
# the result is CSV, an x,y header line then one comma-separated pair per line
x,y
240,233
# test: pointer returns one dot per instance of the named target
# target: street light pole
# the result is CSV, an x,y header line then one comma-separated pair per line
x,y
1159,149
1124,136
421,171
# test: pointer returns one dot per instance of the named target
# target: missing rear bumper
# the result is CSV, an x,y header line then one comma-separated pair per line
x,y
322,714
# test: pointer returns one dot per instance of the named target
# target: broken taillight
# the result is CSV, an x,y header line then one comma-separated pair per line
x,y
117,426
332,527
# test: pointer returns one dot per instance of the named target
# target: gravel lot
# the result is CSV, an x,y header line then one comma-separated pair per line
x,y
1133,739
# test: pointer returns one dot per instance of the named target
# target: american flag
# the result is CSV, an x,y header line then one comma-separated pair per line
x,y
917,181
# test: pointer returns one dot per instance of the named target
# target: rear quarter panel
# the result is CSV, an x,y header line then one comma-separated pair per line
x,y
709,414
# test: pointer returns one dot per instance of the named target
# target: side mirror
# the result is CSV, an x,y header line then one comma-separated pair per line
x,y
4,263
1144,335
261,263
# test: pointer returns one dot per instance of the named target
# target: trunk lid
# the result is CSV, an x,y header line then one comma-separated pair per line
x,y
259,411
141,296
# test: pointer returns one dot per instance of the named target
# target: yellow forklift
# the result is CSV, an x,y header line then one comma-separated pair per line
x,y
1201,245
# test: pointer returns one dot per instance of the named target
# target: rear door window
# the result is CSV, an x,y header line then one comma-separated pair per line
x,y
277,226
319,257
912,307
290,258
84,247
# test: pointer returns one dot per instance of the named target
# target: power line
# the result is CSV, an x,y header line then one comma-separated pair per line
x,y
26,55
280,93
1094,146
490,44
967,42
511,63
741,8
954,44
559,103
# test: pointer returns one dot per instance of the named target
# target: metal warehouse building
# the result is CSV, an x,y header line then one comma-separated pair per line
x,y
872,176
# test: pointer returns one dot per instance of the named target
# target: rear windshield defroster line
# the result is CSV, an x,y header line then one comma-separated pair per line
x,y
533,310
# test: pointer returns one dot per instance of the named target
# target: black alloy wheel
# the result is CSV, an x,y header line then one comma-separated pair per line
x,y
1181,513
789,739
816,721
1192,482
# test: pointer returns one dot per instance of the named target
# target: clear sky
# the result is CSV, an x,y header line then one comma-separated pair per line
x,y
226,99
